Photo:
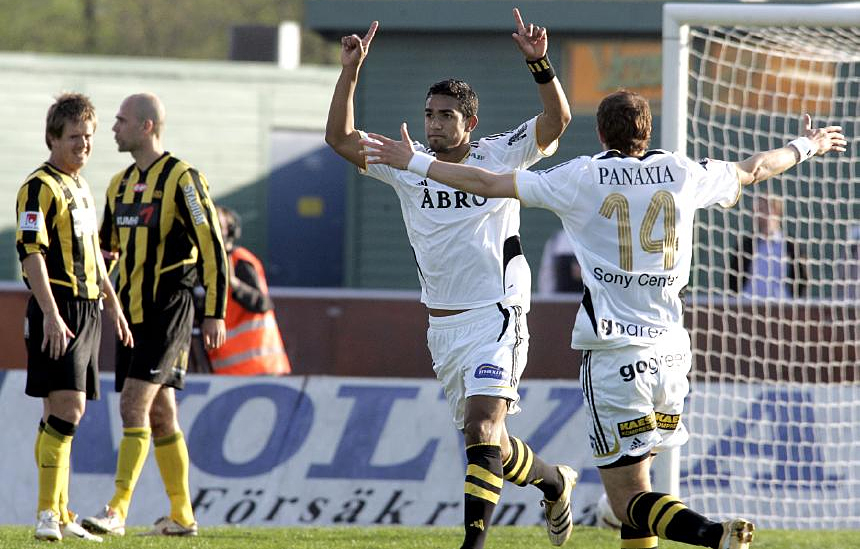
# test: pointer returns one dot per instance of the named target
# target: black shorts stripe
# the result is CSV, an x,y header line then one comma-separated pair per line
x,y
601,445
515,366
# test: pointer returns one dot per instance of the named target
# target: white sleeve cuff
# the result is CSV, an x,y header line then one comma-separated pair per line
x,y
420,163
805,147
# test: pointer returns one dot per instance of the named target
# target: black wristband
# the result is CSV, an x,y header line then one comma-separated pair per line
x,y
541,70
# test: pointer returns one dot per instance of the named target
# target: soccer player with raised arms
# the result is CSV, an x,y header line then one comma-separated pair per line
x,y
629,212
474,278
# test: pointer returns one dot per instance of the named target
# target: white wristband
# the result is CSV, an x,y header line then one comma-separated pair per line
x,y
805,147
420,163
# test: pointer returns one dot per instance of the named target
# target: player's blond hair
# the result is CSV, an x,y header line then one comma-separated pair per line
x,y
68,107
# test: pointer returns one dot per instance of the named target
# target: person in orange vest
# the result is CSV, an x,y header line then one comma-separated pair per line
x,y
254,345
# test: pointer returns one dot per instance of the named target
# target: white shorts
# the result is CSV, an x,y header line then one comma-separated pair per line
x,y
479,352
635,396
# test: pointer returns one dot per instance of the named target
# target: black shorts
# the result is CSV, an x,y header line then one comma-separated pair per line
x,y
78,368
161,344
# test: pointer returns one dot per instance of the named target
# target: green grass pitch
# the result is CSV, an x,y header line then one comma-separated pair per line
x,y
501,537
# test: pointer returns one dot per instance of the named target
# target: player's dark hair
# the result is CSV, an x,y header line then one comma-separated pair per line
x,y
624,122
459,90
68,107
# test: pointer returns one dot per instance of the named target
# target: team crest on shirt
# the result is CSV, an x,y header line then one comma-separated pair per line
x,y
31,221
488,371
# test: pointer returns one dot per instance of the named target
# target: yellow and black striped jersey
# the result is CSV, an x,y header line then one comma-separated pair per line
x,y
162,222
57,218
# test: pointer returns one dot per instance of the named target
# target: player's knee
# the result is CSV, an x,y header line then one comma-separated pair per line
x,y
482,431
132,416
132,411
162,420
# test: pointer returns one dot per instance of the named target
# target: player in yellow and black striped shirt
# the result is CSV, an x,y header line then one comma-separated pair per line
x,y
59,251
160,227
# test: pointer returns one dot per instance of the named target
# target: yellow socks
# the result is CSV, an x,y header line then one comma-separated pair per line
x,y
171,453
133,449
54,448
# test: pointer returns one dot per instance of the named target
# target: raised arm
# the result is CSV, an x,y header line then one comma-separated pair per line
x,y
819,141
340,132
532,42
401,155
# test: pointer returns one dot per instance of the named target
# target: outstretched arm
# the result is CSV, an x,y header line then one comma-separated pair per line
x,y
532,42
340,132
819,141
401,155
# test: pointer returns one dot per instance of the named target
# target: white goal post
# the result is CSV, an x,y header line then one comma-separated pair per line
x,y
774,408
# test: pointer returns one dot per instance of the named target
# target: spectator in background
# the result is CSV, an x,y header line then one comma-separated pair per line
x,y
559,270
769,265
254,345
63,267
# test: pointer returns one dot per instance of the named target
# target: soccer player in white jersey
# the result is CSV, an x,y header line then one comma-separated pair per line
x,y
474,279
629,213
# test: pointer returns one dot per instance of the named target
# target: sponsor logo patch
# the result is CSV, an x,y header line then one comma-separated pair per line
x,y
518,134
488,371
668,421
194,205
84,220
139,187
137,215
31,221
637,426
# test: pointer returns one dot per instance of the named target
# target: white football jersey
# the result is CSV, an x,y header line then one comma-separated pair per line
x,y
467,247
631,223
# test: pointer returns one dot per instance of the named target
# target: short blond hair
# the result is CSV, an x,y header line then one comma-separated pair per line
x,y
68,107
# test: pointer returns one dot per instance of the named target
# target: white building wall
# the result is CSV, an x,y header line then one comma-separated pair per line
x,y
219,117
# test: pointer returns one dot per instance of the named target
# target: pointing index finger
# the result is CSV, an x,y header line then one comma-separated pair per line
x,y
519,19
370,33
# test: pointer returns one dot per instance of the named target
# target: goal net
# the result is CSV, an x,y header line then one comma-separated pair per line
x,y
774,408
